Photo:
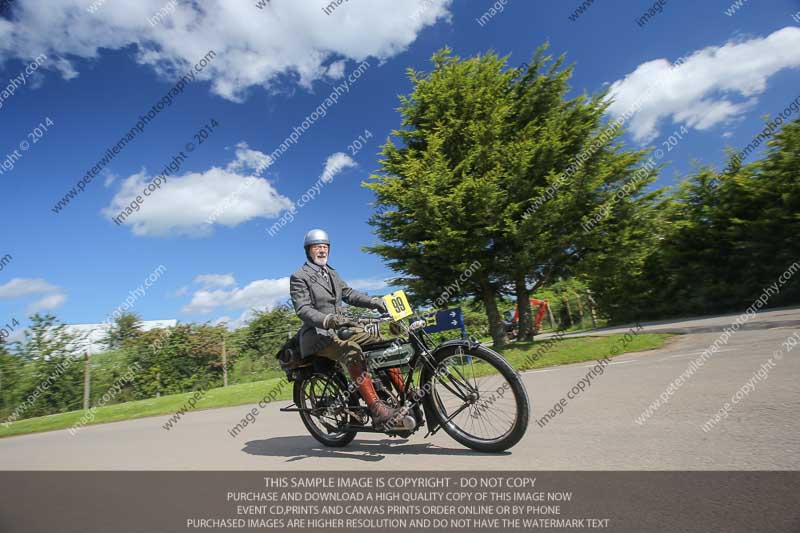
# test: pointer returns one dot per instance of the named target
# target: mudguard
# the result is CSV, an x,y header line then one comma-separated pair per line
x,y
466,343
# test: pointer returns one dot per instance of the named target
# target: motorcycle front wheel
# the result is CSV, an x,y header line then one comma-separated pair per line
x,y
478,398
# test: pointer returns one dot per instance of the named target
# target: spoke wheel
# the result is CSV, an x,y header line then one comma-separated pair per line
x,y
478,398
326,396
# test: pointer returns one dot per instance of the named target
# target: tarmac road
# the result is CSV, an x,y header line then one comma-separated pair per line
x,y
596,431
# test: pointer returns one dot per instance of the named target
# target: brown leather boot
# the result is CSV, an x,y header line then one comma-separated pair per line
x,y
380,412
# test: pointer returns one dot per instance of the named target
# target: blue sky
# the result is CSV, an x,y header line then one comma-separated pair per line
x,y
273,67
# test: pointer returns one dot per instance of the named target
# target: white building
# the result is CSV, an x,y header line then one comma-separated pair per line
x,y
92,335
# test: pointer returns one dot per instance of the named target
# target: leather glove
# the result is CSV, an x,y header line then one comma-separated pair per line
x,y
379,305
336,321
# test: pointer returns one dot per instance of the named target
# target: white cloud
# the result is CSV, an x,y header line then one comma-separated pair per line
x,y
48,303
235,323
713,86
215,280
260,294
335,164
336,70
368,284
248,159
19,287
110,178
184,204
255,47
50,296
183,291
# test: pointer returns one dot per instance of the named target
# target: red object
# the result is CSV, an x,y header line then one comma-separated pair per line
x,y
361,377
396,376
537,321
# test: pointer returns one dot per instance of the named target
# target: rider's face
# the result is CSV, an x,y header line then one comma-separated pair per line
x,y
319,253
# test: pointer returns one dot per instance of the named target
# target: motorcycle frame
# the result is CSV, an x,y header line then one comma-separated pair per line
x,y
423,355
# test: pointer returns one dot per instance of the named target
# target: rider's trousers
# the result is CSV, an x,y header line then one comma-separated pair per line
x,y
351,350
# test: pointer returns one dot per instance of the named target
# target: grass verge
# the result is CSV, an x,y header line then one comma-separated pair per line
x,y
578,349
565,351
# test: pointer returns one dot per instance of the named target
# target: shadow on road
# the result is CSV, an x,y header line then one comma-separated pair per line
x,y
305,447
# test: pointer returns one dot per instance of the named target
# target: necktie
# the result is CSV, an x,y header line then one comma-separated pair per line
x,y
326,277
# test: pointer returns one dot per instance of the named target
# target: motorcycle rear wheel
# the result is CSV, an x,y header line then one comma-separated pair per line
x,y
322,392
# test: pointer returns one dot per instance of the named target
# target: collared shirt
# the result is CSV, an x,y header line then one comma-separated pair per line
x,y
322,270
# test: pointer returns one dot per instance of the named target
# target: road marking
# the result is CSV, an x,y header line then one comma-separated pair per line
x,y
563,367
696,353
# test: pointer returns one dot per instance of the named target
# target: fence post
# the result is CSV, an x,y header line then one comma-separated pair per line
x,y
565,301
87,382
550,316
224,363
580,309
591,308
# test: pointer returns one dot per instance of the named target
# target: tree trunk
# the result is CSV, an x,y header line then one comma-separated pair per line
x,y
580,308
496,328
569,311
550,317
525,324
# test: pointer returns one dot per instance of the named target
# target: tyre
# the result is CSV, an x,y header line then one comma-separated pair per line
x,y
478,398
326,394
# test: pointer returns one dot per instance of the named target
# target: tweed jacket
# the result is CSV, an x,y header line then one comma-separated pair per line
x,y
314,299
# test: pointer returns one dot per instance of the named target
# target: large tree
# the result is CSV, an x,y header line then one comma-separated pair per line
x,y
713,245
479,145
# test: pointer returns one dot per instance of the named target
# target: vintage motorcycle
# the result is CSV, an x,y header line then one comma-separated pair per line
x,y
460,386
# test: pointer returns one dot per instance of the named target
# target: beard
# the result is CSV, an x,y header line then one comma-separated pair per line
x,y
320,261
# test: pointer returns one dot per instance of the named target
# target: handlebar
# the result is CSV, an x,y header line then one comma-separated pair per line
x,y
345,332
385,317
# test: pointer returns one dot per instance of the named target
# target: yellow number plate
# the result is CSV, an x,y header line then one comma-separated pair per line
x,y
397,304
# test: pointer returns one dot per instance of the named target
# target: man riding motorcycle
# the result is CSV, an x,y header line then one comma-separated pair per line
x,y
317,293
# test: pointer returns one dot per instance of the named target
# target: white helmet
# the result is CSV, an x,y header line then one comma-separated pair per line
x,y
316,236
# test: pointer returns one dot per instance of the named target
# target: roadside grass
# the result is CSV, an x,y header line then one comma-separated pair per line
x,y
578,349
523,356
565,351
245,393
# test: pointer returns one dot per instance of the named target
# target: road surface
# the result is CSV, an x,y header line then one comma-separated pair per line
x,y
596,431
786,317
